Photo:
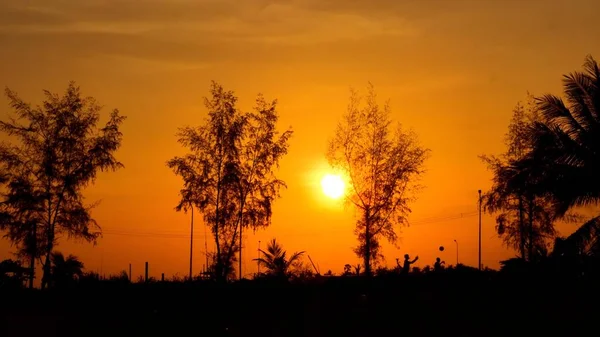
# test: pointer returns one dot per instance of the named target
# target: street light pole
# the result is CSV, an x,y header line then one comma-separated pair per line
x,y
479,229
456,251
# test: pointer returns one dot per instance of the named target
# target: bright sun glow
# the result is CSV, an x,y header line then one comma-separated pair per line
x,y
333,186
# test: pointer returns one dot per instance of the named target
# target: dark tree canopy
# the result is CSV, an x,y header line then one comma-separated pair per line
x,y
65,270
565,153
565,156
229,174
55,151
525,220
382,165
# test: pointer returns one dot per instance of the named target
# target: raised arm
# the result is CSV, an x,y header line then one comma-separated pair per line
x,y
415,260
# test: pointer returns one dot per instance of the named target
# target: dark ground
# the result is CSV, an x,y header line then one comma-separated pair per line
x,y
417,306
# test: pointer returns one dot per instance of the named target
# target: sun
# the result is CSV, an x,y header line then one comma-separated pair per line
x,y
333,186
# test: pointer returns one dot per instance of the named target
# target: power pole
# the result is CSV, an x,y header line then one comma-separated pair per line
x,y
146,274
456,251
479,229
191,242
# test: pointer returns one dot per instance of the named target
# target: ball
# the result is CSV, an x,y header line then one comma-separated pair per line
x,y
441,248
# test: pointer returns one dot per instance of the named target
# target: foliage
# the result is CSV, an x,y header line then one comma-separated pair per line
x,y
229,173
65,271
227,267
525,220
585,241
302,272
566,142
12,274
347,270
56,152
381,167
276,262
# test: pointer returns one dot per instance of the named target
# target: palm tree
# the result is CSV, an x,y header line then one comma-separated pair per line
x,y
566,142
65,271
276,262
565,157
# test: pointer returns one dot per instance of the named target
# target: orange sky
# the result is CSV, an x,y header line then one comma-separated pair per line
x,y
452,69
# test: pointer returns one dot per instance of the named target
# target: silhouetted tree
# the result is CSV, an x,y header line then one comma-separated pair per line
x,y
347,270
229,174
380,166
566,146
65,271
227,269
357,269
525,220
565,153
56,153
276,262
12,274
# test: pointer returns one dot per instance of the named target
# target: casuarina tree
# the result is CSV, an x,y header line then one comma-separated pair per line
x,y
53,152
382,164
229,172
525,220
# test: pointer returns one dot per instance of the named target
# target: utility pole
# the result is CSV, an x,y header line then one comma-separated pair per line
x,y
479,229
191,242
456,251
146,274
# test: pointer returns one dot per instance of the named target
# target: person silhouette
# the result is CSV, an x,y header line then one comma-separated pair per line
x,y
408,263
437,266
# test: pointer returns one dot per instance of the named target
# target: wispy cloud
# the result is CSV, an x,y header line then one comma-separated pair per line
x,y
248,20
186,31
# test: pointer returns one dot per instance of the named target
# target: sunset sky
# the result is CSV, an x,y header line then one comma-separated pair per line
x,y
453,71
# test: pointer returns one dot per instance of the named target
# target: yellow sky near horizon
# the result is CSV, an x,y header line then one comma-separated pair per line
x,y
453,71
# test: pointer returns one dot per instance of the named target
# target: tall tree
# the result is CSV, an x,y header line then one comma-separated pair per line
x,y
565,153
524,219
56,151
381,167
566,142
259,152
229,173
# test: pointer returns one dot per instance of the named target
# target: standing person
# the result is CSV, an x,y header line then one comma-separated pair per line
x,y
437,266
408,263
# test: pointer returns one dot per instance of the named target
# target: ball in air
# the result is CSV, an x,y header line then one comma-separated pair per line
x,y
441,248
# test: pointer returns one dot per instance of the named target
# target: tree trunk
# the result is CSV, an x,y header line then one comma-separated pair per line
x,y
218,259
367,243
46,272
241,220
531,245
47,262
521,229
33,254
240,259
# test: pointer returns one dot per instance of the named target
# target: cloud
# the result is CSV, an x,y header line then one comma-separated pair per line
x,y
256,21
192,32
